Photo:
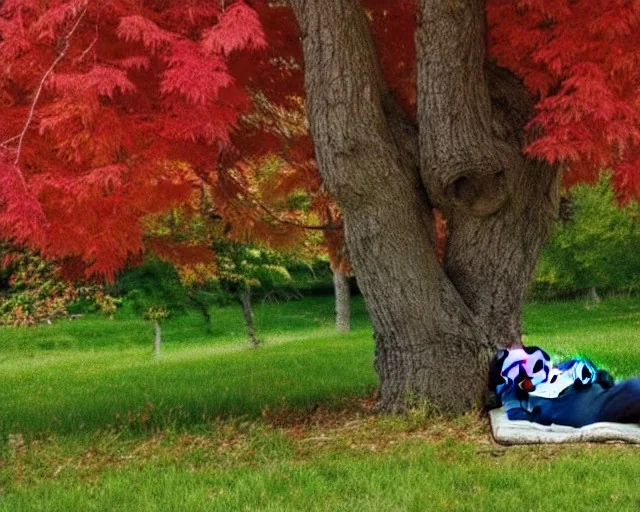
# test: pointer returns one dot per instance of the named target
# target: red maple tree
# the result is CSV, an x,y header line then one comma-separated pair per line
x,y
114,110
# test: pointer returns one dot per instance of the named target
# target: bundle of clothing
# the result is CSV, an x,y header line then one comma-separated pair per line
x,y
574,393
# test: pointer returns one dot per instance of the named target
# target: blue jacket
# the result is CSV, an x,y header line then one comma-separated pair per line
x,y
573,393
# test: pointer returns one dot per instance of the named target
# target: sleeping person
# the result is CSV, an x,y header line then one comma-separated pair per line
x,y
574,393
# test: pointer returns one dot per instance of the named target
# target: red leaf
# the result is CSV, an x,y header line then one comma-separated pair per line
x,y
198,79
102,80
238,29
140,29
21,215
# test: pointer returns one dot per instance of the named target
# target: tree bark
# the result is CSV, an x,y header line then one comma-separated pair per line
x,y
247,311
435,327
343,301
499,205
157,339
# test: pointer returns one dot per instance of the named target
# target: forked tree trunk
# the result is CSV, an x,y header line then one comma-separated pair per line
x,y
436,327
247,312
343,301
157,339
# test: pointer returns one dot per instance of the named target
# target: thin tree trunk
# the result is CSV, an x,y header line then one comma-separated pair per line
x,y
247,311
202,305
593,296
157,339
435,328
343,301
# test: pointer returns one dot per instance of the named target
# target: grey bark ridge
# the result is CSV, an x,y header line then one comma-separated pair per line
x,y
463,164
436,327
343,301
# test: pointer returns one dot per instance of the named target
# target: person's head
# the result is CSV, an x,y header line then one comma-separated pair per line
x,y
524,368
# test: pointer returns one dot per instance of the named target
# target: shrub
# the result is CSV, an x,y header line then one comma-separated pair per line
x,y
599,247
154,282
33,290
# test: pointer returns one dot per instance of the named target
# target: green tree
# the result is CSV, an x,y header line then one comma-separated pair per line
x,y
243,268
597,250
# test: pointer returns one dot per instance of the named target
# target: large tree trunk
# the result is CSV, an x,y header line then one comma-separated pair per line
x,y
247,312
499,206
343,301
435,327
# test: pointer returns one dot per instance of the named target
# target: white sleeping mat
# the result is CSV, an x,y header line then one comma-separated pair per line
x,y
510,432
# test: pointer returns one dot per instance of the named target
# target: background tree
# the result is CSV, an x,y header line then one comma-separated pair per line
x,y
156,314
597,248
217,260
343,297
241,268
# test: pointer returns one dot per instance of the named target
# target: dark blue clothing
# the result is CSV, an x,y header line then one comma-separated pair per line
x,y
577,407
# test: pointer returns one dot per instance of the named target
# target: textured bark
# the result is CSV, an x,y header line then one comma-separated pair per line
x,y
343,301
462,163
490,259
498,204
434,334
247,312
157,339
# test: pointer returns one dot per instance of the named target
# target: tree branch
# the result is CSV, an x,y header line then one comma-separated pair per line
x,y
4,143
44,79
275,217
346,97
95,39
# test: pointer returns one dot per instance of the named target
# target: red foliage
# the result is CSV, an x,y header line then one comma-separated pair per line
x,y
237,29
107,110
180,254
583,60
113,110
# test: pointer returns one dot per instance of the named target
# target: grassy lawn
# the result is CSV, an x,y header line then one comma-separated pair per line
x,y
89,421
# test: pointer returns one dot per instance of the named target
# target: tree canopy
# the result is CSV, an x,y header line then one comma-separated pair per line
x,y
114,110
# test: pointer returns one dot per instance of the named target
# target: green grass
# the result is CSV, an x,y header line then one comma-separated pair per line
x,y
114,382
608,334
89,421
